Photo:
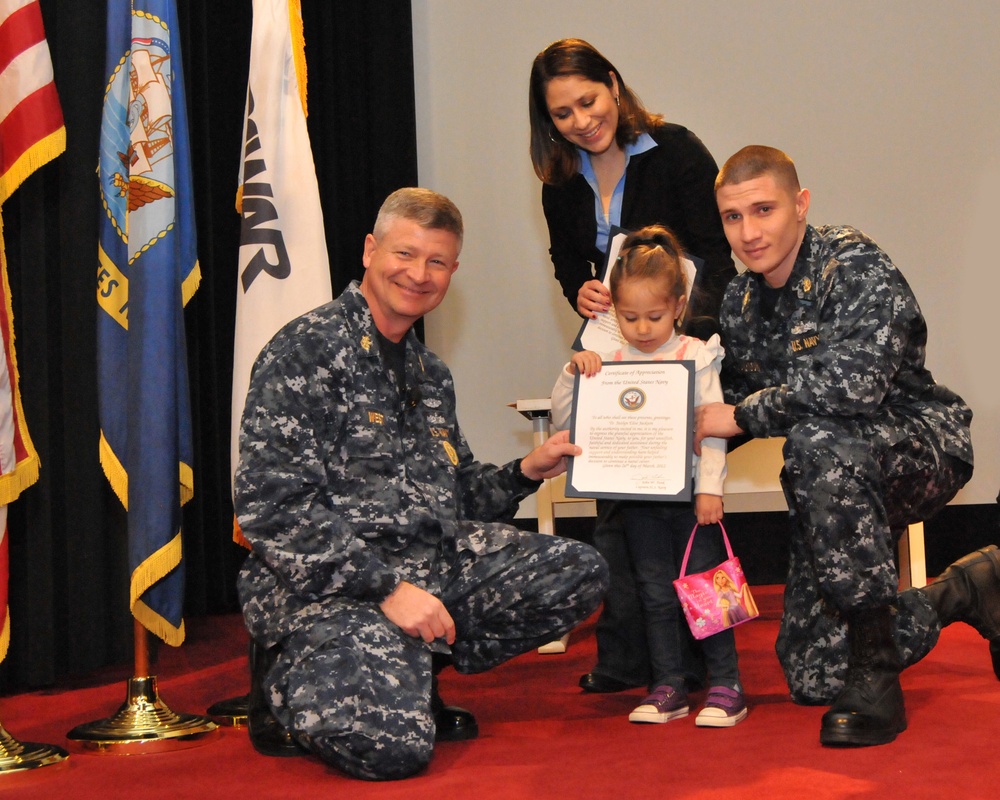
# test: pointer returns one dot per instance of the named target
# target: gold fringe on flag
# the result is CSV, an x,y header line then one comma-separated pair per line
x,y
146,574
298,49
38,155
191,283
25,472
118,477
113,469
5,635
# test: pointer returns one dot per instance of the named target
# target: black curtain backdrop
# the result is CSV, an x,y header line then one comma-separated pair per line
x,y
68,569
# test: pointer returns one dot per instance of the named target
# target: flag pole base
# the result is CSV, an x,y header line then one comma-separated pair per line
x,y
143,724
231,712
18,756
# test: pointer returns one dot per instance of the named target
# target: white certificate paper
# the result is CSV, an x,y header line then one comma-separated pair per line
x,y
634,422
602,335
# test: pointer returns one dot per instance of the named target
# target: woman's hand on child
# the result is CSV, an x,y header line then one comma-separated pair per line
x,y
708,508
592,299
586,362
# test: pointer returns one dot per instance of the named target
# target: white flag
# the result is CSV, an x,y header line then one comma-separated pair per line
x,y
283,267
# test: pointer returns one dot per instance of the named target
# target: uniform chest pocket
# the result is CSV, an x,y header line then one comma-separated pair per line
x,y
371,447
803,337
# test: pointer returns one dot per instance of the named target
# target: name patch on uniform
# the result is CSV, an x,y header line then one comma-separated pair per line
x,y
438,433
376,418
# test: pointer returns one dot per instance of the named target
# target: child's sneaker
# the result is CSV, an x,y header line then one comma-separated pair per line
x,y
724,708
663,704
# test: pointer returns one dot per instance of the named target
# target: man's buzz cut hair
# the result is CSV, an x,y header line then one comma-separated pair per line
x,y
756,160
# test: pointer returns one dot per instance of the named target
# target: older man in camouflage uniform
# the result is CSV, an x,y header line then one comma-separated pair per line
x,y
375,533
825,346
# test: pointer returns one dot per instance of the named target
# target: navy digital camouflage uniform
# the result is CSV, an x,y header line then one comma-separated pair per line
x,y
872,442
344,489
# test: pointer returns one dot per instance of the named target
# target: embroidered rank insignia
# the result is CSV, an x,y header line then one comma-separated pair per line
x,y
452,454
806,284
366,342
746,300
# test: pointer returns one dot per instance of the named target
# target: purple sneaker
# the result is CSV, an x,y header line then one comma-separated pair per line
x,y
663,704
724,708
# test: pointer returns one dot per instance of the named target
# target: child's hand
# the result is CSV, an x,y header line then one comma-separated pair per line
x,y
586,362
708,508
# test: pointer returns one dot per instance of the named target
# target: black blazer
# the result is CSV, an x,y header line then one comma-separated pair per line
x,y
673,185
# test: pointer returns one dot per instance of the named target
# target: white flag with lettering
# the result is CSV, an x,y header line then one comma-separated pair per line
x,y
283,264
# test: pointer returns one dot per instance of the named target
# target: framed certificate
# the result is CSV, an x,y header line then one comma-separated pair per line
x,y
634,421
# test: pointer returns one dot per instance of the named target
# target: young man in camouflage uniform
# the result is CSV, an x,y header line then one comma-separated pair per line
x,y
825,346
377,550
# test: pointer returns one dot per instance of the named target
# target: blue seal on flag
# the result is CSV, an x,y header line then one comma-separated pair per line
x,y
136,159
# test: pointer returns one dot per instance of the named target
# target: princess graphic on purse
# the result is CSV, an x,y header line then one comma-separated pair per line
x,y
737,603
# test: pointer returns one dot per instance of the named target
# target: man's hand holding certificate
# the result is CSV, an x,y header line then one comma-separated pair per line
x,y
633,420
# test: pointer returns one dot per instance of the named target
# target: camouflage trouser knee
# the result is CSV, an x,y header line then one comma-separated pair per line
x,y
356,690
521,597
852,487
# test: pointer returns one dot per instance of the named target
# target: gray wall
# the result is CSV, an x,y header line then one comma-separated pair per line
x,y
889,108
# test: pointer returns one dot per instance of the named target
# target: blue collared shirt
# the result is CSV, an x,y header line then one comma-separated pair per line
x,y
604,223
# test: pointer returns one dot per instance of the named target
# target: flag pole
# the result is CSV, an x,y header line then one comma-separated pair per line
x,y
143,723
148,270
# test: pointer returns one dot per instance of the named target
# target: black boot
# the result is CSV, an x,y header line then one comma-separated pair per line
x,y
267,735
870,709
969,591
451,723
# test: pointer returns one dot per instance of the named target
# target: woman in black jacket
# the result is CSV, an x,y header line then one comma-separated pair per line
x,y
604,161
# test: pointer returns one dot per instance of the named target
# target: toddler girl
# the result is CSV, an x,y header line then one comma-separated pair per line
x,y
648,293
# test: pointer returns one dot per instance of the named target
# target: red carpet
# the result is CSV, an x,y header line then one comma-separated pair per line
x,y
543,738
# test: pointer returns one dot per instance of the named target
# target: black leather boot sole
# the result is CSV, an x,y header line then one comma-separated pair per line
x,y
268,736
870,710
596,683
865,715
969,591
454,724
451,723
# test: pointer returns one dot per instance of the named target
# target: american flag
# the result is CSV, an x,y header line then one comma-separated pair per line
x,y
31,134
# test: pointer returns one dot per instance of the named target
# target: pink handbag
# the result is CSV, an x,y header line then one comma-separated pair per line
x,y
718,598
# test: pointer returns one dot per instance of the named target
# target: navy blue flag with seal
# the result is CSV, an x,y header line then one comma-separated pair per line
x,y
147,271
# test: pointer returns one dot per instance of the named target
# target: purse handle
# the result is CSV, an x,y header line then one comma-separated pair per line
x,y
687,552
